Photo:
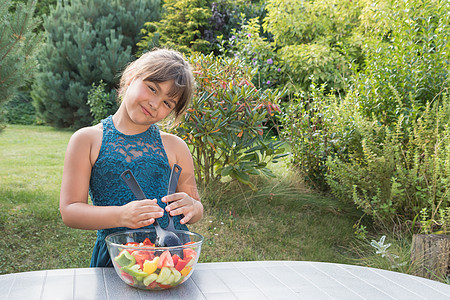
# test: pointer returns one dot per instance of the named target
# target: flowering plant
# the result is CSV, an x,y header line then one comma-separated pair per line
x,y
226,124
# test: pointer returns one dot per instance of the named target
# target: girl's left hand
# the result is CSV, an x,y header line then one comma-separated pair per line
x,y
181,204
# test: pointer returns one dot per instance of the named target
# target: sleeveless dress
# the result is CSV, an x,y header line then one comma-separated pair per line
x,y
145,156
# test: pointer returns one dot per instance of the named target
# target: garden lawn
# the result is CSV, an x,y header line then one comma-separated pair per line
x,y
280,221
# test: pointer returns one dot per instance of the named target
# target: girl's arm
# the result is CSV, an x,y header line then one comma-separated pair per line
x,y
82,151
186,200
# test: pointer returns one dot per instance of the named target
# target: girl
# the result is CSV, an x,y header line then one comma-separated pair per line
x,y
154,86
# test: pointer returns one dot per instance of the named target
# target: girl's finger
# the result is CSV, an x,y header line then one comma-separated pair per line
x,y
185,219
147,222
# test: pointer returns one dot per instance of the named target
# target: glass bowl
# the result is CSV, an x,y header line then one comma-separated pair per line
x,y
142,265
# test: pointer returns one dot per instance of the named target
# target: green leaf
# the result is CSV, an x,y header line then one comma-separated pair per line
x,y
267,172
254,171
226,171
240,176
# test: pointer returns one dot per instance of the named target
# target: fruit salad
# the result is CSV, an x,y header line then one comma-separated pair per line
x,y
154,268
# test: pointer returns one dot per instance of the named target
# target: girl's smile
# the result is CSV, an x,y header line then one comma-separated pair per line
x,y
145,111
146,102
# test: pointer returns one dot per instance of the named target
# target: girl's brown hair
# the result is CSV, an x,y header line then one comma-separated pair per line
x,y
161,65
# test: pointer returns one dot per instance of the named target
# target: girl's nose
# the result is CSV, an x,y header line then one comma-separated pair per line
x,y
153,103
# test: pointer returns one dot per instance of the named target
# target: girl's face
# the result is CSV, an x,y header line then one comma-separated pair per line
x,y
147,102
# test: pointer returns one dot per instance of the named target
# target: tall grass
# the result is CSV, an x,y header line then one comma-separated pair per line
x,y
281,221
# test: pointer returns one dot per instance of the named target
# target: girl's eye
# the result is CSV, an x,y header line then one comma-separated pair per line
x,y
168,104
152,89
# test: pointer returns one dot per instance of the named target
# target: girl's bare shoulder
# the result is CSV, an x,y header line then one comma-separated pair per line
x,y
85,143
171,138
90,134
176,149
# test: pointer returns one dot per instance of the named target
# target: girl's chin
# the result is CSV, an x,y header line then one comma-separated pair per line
x,y
141,120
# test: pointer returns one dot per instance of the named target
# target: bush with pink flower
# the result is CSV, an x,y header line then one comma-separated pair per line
x,y
227,124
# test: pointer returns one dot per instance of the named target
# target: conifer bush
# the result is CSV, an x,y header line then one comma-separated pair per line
x,y
18,44
86,41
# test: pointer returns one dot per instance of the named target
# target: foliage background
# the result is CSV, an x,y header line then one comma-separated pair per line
x,y
364,110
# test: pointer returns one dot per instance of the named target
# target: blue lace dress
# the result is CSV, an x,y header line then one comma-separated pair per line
x,y
145,156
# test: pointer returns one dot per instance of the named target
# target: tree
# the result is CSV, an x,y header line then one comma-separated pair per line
x,y
18,44
86,41
19,109
182,27
316,40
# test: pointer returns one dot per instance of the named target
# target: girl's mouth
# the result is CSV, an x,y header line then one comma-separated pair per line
x,y
146,112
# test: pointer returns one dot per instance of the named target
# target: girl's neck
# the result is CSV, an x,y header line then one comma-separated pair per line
x,y
125,125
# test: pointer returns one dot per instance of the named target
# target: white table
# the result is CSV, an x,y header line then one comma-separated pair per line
x,y
231,280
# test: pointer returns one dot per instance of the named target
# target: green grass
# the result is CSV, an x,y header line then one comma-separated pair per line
x,y
281,221
32,233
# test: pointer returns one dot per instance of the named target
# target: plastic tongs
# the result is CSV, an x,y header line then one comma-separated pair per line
x,y
164,237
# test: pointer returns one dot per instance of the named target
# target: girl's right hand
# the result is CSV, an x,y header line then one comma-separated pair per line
x,y
140,213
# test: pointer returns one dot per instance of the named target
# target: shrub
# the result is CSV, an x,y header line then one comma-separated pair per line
x,y
315,132
100,102
226,124
87,41
398,172
226,20
20,109
42,7
390,172
383,145
409,60
191,26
